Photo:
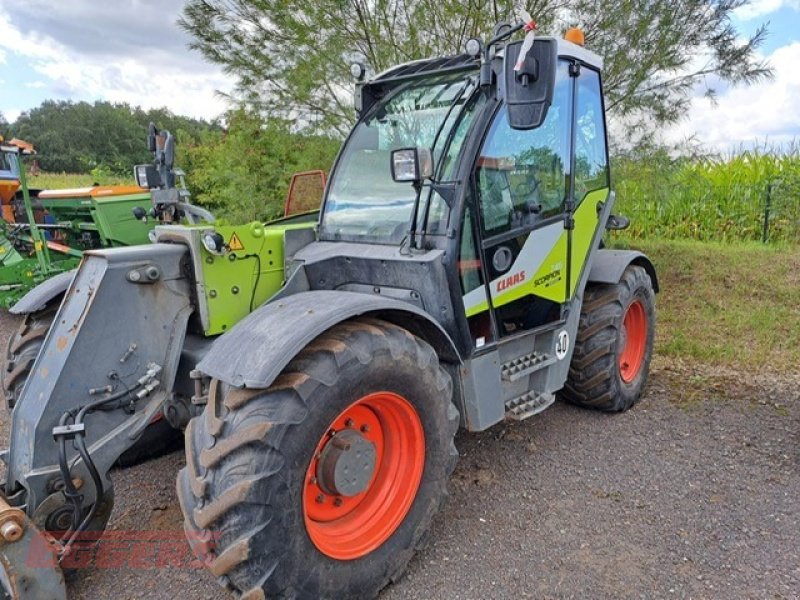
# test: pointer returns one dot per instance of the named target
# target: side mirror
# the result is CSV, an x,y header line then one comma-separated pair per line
x,y
412,165
529,92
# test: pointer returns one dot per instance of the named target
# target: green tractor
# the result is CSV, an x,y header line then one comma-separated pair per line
x,y
455,277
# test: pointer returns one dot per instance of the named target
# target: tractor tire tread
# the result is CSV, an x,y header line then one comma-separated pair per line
x,y
233,478
594,380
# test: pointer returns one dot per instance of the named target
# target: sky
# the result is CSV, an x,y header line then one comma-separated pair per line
x,y
133,51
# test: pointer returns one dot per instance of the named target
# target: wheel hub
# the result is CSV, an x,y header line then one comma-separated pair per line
x,y
347,464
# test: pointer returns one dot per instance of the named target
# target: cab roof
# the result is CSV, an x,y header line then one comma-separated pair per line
x,y
460,62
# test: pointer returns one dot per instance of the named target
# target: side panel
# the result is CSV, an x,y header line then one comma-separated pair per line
x,y
250,269
257,349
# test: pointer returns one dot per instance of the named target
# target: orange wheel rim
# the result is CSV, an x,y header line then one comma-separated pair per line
x,y
634,341
349,524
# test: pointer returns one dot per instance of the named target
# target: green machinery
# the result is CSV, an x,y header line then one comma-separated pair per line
x,y
45,232
455,277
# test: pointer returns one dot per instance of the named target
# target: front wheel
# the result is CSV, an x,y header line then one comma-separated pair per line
x,y
323,485
614,344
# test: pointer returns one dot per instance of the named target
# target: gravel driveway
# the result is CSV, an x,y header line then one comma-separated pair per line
x,y
693,494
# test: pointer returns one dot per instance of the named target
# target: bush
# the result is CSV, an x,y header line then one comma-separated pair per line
x,y
243,173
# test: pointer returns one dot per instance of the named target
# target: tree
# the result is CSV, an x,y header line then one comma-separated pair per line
x,y
78,137
3,126
291,57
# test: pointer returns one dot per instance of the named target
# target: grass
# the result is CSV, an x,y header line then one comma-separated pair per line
x,y
75,180
728,305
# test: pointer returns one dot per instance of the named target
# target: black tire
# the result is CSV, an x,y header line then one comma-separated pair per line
x,y
248,454
23,348
595,379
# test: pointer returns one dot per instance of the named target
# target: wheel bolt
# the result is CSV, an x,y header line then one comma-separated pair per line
x,y
320,499
348,423
313,481
337,502
364,428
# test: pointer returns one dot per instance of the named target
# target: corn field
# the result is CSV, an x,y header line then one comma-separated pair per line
x,y
750,196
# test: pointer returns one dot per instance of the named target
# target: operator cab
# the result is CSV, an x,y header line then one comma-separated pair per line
x,y
502,171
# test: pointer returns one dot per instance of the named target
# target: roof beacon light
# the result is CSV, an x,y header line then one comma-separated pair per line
x,y
576,36
530,36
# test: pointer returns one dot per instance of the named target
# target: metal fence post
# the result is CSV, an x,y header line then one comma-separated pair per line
x,y
767,210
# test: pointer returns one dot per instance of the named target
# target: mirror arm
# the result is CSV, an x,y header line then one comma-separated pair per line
x,y
412,234
486,60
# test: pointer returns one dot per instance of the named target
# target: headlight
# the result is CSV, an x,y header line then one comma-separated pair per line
x,y
213,242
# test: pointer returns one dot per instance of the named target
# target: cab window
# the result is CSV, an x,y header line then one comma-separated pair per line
x,y
591,158
522,175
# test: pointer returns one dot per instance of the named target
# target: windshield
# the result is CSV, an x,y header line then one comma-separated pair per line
x,y
364,202
7,166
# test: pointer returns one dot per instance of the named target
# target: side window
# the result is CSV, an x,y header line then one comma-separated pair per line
x,y
522,175
591,157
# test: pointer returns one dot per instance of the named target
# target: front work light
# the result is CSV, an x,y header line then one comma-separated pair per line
x,y
412,164
146,176
358,71
474,47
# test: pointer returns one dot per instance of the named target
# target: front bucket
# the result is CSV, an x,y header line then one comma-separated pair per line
x,y
29,567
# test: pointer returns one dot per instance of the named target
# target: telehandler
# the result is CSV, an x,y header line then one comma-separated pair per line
x,y
455,278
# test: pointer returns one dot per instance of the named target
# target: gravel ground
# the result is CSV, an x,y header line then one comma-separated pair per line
x,y
693,494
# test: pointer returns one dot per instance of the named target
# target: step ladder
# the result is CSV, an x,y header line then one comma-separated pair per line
x,y
527,405
516,369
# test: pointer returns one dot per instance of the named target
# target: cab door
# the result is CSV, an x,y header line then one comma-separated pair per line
x,y
520,191
591,183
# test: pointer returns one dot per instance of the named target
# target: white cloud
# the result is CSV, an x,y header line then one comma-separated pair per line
x,y
144,71
36,85
2,57
759,8
765,112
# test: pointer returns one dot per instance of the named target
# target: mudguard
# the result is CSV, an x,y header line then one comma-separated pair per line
x,y
609,265
254,352
42,294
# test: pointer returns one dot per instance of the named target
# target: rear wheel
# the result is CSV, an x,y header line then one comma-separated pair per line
x,y
23,348
614,344
323,485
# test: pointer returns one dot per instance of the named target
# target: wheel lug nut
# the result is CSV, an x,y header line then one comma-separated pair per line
x,y
348,423
313,481
364,428
320,499
337,502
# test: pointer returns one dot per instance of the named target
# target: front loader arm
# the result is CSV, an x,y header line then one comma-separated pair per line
x,y
105,369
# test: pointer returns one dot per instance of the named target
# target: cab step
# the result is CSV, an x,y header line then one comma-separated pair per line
x,y
516,369
527,405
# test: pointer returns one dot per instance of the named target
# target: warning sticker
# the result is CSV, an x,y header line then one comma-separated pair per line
x,y
235,243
